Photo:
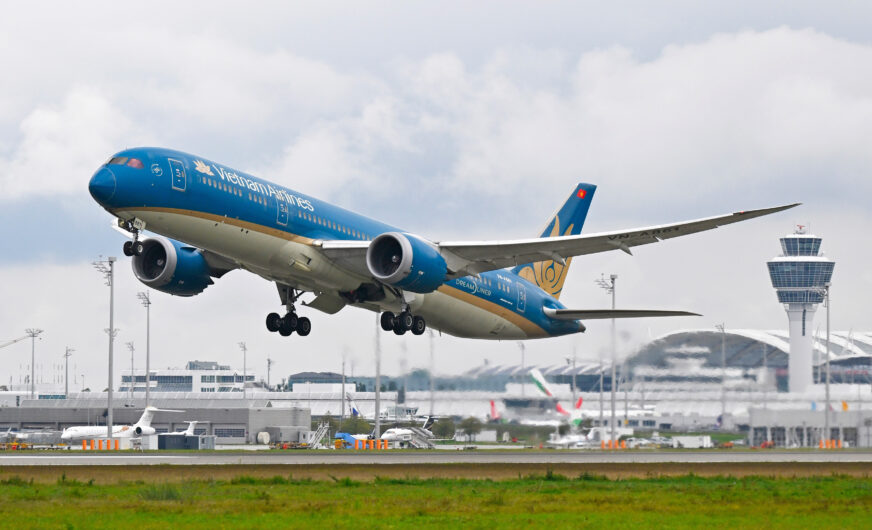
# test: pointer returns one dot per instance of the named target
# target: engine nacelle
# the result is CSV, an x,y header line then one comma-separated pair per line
x,y
140,430
172,267
406,261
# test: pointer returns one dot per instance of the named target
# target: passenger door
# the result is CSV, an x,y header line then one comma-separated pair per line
x,y
282,218
522,297
177,169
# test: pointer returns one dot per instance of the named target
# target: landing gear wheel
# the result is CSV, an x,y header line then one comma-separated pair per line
x,y
128,248
138,248
399,330
304,326
406,319
387,321
273,322
418,326
288,324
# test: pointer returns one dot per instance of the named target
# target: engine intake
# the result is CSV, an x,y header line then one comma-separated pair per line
x,y
406,261
171,267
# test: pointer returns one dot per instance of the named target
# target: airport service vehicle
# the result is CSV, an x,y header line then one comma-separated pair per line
x,y
211,219
93,432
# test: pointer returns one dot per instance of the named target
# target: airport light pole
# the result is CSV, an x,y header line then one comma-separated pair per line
x,y
107,268
146,301
722,329
33,333
132,379
244,349
432,367
609,286
571,362
523,367
827,417
69,351
377,377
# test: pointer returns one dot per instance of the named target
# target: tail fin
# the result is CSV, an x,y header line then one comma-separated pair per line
x,y
352,405
429,422
569,219
494,413
540,381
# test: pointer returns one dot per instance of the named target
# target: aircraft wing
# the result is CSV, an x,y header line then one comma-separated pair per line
x,y
473,257
595,314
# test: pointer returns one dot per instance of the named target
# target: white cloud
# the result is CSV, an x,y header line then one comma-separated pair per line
x,y
59,145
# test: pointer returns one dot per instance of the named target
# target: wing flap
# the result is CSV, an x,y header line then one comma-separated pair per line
x,y
596,314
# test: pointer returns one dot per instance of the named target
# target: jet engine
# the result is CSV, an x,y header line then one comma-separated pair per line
x,y
172,267
406,261
141,430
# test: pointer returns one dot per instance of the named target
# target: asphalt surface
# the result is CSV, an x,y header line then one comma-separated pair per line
x,y
299,457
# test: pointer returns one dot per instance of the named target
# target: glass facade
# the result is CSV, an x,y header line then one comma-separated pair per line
x,y
801,246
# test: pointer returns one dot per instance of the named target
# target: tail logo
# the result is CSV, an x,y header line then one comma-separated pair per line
x,y
549,275
581,193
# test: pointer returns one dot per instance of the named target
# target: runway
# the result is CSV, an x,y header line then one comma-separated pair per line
x,y
388,458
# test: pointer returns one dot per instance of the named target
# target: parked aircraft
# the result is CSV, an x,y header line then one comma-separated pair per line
x,y
212,219
92,432
192,424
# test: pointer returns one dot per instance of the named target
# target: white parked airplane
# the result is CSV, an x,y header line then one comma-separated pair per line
x,y
94,432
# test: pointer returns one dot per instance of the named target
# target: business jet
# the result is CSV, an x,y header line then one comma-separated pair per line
x,y
210,219
189,431
93,432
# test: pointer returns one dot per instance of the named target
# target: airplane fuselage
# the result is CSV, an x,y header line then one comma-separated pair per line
x,y
273,231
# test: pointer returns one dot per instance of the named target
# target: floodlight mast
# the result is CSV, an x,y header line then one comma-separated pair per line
x,y
377,431
244,349
720,327
146,301
69,351
33,333
107,268
609,286
132,379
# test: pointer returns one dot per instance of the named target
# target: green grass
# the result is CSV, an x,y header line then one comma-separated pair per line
x,y
340,502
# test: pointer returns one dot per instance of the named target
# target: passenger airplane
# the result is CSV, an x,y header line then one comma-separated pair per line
x,y
212,219
92,432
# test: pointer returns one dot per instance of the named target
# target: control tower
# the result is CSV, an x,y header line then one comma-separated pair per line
x,y
800,276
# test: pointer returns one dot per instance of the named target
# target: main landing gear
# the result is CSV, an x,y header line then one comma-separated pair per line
x,y
403,322
286,325
135,247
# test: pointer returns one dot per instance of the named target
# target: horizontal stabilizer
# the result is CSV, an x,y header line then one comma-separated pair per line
x,y
595,314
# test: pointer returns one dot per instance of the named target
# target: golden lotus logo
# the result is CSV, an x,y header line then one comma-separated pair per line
x,y
548,275
201,166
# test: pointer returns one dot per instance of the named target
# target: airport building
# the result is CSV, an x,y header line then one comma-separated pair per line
x,y
196,376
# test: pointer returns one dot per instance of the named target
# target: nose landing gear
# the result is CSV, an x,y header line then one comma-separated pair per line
x,y
134,226
403,322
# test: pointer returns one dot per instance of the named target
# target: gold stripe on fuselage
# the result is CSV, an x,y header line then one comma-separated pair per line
x,y
527,326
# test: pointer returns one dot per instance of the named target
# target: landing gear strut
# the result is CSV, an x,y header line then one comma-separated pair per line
x,y
135,247
403,322
286,325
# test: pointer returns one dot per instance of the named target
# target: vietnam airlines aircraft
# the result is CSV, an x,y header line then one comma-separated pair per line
x,y
212,219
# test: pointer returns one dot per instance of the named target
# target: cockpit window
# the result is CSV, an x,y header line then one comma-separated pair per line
x,y
126,161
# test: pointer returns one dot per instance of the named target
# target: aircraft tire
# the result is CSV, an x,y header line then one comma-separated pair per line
x,y
406,319
418,325
387,321
273,322
304,326
127,248
288,325
138,248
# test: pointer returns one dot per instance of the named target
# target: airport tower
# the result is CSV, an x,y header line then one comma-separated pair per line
x,y
800,276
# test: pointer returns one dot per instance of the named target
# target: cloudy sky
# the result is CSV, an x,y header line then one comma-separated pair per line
x,y
452,121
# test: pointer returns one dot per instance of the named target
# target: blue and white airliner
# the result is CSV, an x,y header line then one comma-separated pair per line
x,y
210,219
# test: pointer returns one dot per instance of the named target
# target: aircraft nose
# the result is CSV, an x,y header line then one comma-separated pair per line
x,y
102,185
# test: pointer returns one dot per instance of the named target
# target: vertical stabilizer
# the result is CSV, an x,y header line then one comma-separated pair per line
x,y
569,219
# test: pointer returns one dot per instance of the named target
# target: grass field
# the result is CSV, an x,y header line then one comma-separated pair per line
x,y
385,496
